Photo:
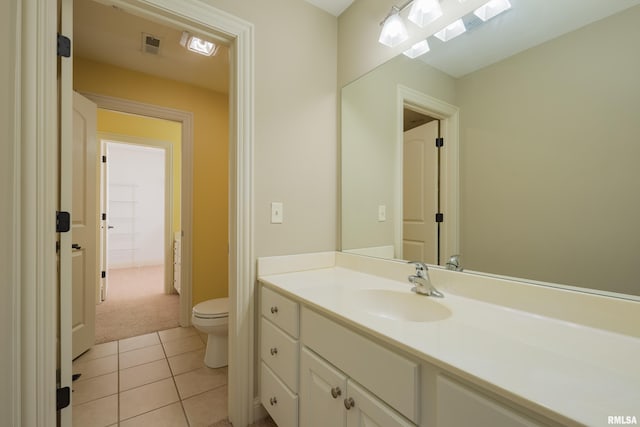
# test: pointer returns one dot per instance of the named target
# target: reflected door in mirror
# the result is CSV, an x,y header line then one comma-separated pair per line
x,y
420,194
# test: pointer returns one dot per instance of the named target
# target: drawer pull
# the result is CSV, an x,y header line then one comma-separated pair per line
x,y
274,351
274,309
349,403
335,392
273,401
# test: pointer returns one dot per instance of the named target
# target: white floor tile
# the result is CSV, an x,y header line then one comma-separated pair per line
x,y
135,343
144,374
141,356
144,399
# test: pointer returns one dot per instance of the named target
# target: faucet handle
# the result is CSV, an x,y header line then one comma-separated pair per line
x,y
421,267
454,263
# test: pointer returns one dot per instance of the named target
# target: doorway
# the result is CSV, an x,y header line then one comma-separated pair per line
x,y
136,294
239,34
421,187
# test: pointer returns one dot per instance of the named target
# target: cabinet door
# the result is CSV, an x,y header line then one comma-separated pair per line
x,y
322,392
459,405
365,410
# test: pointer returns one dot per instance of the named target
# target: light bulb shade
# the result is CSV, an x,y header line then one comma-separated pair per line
x,y
198,45
424,12
417,49
451,31
491,9
393,31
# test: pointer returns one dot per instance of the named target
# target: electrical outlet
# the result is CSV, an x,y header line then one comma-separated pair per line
x,y
382,213
276,213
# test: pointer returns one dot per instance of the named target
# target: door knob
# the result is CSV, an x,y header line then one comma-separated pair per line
x,y
76,246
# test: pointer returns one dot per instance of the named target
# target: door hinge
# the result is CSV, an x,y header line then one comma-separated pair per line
x,y
63,222
103,274
104,159
64,46
440,142
439,217
63,397
104,216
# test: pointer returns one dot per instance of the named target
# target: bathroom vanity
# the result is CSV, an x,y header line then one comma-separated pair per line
x,y
344,342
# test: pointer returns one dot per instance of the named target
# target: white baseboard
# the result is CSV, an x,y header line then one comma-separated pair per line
x,y
258,410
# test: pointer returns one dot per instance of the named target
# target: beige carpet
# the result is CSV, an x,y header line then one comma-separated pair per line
x,y
136,304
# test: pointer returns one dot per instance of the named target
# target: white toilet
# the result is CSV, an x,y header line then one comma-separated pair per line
x,y
212,318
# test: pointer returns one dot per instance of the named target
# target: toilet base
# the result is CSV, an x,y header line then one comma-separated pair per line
x,y
216,354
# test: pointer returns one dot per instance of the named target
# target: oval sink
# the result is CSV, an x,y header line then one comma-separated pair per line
x,y
397,305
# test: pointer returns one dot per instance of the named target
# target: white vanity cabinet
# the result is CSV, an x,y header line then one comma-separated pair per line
x,y
279,353
329,398
349,380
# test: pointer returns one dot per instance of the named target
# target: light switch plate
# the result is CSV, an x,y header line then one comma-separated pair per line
x,y
382,213
276,213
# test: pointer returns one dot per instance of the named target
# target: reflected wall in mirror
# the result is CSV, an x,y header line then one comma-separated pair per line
x,y
549,158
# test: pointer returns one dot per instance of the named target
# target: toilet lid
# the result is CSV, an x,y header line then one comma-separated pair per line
x,y
213,308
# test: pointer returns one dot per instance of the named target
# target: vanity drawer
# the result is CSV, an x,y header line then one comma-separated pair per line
x,y
281,311
391,377
280,352
281,404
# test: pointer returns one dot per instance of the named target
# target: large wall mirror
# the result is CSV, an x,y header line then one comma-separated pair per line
x,y
546,148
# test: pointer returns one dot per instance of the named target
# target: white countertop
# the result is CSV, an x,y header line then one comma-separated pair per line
x,y
560,369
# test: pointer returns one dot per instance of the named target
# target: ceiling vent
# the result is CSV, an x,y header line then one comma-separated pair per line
x,y
150,44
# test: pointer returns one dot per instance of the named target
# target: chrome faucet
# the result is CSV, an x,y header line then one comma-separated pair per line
x,y
422,282
454,263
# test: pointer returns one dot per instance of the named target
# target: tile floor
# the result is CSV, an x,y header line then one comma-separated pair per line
x,y
157,379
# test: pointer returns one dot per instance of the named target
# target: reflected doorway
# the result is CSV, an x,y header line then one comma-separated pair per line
x,y
421,217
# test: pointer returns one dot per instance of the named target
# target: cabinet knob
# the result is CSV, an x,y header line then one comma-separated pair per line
x,y
349,403
335,392
273,401
274,351
274,309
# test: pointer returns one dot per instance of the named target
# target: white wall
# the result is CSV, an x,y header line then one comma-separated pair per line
x,y
295,128
136,205
9,303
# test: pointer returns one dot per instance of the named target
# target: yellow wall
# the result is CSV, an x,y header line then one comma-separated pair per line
x,y
210,159
150,128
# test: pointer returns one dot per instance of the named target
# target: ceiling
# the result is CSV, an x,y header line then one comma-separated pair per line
x,y
107,34
334,7
527,24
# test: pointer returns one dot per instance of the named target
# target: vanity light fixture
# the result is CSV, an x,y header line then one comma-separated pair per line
x,y
417,49
198,45
491,9
424,12
451,31
393,30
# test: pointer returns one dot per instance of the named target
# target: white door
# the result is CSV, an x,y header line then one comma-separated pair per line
x,y
84,225
365,410
420,195
322,392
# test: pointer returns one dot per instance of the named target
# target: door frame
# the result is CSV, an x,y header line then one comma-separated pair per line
x,y
186,203
449,168
37,143
106,138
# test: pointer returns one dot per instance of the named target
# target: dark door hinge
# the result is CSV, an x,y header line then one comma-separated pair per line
x,y
439,217
439,142
104,216
103,274
63,222
104,159
64,46
63,397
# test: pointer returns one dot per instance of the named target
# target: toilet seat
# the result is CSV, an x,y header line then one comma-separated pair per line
x,y
212,309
